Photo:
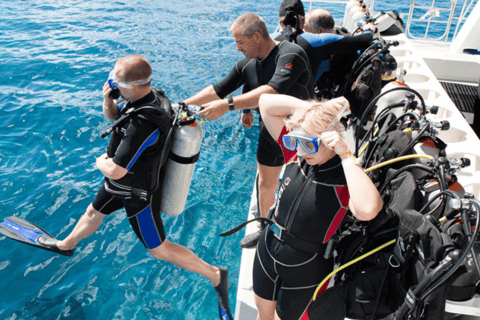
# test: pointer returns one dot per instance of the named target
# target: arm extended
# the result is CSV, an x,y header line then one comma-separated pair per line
x,y
215,109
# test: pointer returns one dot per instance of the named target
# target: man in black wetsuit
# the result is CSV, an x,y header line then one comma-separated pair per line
x,y
127,166
321,40
291,13
268,67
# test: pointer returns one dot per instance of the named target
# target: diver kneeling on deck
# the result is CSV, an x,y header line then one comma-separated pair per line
x,y
131,164
313,196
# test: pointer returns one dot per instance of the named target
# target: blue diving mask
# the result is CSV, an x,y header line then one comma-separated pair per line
x,y
309,144
114,83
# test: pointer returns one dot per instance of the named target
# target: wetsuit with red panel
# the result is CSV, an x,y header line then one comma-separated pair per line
x,y
289,262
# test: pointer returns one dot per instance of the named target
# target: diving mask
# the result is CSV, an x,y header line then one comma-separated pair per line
x,y
114,83
309,144
297,137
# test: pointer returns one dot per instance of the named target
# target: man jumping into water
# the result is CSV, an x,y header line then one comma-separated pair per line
x,y
126,164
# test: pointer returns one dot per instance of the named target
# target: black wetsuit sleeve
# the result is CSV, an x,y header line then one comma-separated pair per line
x,y
348,44
232,81
290,66
139,135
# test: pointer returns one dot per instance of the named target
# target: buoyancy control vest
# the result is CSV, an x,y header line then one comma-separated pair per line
x,y
312,201
144,177
169,163
311,204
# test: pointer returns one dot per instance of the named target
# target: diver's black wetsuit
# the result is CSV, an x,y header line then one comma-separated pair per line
x,y
321,46
286,69
288,266
131,146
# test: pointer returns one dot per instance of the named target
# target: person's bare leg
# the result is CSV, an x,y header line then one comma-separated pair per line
x,y
85,227
266,308
186,259
267,184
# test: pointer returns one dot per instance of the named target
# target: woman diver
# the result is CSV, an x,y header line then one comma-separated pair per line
x,y
313,196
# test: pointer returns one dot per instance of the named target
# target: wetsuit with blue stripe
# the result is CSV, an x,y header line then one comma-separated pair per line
x,y
321,46
289,264
131,146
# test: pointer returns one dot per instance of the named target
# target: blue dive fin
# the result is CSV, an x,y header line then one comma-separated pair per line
x,y
222,292
21,230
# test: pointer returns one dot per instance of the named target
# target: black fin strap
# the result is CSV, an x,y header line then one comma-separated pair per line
x,y
240,226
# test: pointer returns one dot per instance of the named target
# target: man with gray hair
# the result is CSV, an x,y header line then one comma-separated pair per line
x,y
269,66
319,21
322,40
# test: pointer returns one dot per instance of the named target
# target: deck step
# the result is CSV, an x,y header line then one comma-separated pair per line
x,y
463,96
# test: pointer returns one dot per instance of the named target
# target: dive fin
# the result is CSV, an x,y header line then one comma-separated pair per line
x,y
21,230
222,292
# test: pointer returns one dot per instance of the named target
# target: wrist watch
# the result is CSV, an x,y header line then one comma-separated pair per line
x,y
231,106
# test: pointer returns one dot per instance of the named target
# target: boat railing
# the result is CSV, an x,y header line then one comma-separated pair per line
x,y
434,14
430,16
344,2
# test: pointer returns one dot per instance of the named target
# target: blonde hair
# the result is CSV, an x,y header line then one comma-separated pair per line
x,y
316,119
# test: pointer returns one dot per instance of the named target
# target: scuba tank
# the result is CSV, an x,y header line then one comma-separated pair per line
x,y
351,4
352,11
184,153
395,96
359,16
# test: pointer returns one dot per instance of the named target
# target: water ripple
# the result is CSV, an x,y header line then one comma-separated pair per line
x,y
56,56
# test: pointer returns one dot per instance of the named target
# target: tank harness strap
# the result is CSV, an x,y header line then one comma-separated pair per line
x,y
184,160
136,194
242,225
299,243
125,117
114,125
283,235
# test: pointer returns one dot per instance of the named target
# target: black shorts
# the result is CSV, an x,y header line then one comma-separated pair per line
x,y
287,275
144,219
269,152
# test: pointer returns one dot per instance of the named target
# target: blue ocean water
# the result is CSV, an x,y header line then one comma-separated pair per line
x,y
55,58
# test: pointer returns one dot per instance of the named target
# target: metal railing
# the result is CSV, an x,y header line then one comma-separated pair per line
x,y
433,12
324,1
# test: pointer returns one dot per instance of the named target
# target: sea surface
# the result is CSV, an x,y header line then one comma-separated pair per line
x,y
55,57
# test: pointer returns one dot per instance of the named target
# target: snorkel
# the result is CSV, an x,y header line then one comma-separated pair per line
x,y
339,116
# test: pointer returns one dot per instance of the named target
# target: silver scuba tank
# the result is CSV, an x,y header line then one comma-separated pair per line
x,y
185,150
395,96
350,4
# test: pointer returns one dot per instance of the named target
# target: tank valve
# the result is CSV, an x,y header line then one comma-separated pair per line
x,y
433,109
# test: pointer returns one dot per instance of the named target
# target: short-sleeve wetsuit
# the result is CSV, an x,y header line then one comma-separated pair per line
x,y
129,147
289,265
286,69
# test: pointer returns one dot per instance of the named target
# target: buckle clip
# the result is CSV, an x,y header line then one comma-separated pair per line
x,y
277,231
